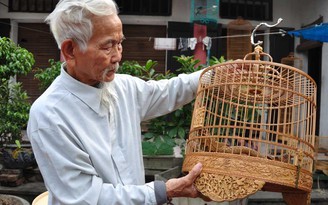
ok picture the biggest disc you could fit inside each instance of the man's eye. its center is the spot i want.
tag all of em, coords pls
(106, 48)
(110, 45)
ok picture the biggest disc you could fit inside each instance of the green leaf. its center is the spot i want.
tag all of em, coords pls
(148, 148)
(18, 144)
(164, 149)
(151, 73)
(148, 135)
(173, 132)
(181, 132)
(158, 141)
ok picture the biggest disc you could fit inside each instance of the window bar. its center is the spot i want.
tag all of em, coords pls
(270, 10)
(53, 4)
(39, 6)
(28, 6)
(43, 5)
(229, 7)
(237, 8)
(35, 5)
(263, 8)
(245, 8)
(24, 6)
(131, 4)
(150, 6)
(19, 8)
(141, 5)
(160, 6)
(169, 6)
(10, 6)
(17, 5)
(121, 6)
(253, 9)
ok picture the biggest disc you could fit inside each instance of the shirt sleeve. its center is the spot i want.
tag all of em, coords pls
(160, 192)
(158, 98)
(72, 180)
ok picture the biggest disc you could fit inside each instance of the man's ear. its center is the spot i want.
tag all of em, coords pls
(67, 49)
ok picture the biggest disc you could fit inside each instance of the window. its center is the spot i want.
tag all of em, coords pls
(37, 6)
(260, 10)
(145, 7)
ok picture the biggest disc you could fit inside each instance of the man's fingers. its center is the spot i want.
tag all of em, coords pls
(184, 187)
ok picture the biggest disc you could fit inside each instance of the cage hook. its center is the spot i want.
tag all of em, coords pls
(256, 27)
(282, 32)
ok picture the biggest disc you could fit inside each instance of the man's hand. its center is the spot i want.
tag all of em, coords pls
(184, 186)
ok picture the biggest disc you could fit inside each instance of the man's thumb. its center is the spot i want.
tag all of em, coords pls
(195, 171)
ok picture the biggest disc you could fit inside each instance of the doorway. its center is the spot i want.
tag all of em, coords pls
(314, 71)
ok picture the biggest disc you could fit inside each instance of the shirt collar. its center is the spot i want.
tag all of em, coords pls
(91, 96)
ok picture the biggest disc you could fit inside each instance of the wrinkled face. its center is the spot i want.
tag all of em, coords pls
(104, 52)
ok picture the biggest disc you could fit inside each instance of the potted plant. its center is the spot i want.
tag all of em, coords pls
(14, 105)
(47, 76)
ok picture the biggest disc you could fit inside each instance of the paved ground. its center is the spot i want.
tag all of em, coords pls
(318, 197)
(27, 191)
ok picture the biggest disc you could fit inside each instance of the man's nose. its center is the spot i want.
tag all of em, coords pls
(116, 54)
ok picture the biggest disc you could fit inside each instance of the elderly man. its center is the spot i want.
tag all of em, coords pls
(85, 128)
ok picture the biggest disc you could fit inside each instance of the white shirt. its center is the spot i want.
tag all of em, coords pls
(84, 158)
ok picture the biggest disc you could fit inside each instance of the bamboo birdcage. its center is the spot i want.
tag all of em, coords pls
(293, 61)
(253, 128)
(238, 32)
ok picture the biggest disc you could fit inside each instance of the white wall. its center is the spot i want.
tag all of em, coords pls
(324, 93)
(287, 10)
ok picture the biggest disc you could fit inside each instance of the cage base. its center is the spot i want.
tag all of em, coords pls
(226, 188)
(247, 175)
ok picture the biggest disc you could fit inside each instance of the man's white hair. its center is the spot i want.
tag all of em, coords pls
(71, 19)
